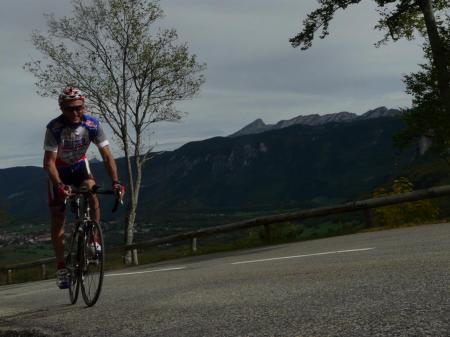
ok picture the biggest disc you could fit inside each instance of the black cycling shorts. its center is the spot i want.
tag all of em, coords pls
(73, 175)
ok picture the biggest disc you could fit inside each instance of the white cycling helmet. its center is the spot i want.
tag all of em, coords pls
(70, 94)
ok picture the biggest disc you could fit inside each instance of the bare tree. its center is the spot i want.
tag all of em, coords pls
(132, 72)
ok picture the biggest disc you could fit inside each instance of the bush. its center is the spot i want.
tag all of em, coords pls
(406, 213)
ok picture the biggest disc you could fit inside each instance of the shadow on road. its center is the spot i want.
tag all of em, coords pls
(22, 333)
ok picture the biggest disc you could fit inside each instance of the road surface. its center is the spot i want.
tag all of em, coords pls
(387, 283)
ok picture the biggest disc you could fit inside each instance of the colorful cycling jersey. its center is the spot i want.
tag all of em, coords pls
(71, 141)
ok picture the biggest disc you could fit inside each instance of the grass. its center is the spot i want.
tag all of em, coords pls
(15, 254)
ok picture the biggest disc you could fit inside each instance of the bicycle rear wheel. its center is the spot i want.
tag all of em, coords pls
(72, 265)
(92, 263)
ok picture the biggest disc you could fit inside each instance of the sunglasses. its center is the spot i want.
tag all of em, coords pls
(77, 108)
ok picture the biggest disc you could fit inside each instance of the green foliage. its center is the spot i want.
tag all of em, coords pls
(398, 18)
(320, 18)
(407, 213)
(429, 115)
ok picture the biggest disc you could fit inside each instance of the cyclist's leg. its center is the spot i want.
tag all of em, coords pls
(85, 178)
(57, 225)
(58, 219)
(93, 201)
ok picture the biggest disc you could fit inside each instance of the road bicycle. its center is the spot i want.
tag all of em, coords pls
(86, 254)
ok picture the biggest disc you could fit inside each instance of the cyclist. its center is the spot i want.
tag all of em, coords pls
(67, 139)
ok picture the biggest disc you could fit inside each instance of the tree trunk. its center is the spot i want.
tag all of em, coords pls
(439, 52)
(131, 256)
(131, 209)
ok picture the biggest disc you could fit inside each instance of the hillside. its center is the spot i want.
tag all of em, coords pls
(297, 166)
(292, 167)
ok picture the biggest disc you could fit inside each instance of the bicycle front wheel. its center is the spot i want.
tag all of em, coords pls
(73, 267)
(92, 263)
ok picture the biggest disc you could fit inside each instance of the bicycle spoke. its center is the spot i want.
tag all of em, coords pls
(92, 264)
(72, 264)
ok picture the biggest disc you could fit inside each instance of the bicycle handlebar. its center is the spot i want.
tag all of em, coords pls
(96, 190)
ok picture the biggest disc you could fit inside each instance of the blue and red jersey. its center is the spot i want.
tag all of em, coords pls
(71, 141)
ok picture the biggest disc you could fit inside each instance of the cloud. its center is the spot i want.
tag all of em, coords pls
(253, 72)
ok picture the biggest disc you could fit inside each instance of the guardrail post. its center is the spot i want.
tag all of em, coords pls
(43, 271)
(9, 276)
(368, 217)
(135, 257)
(194, 246)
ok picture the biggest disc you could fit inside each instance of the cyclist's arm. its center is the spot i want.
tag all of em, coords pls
(109, 162)
(50, 167)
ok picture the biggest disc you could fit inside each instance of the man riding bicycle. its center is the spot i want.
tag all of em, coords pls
(67, 140)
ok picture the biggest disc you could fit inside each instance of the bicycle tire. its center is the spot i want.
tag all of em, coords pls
(72, 265)
(92, 264)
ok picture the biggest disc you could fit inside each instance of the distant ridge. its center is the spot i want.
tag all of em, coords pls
(259, 126)
(300, 166)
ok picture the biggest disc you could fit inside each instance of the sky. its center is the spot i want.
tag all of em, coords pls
(252, 70)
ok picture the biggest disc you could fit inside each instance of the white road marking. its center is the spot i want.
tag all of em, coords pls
(306, 255)
(146, 271)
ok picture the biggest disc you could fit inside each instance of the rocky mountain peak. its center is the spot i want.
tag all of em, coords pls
(379, 112)
(258, 123)
(259, 126)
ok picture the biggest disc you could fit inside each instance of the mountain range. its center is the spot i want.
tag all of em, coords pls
(259, 126)
(307, 161)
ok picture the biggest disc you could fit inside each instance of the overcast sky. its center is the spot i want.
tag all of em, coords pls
(252, 71)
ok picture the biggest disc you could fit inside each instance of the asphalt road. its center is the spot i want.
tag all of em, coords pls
(389, 283)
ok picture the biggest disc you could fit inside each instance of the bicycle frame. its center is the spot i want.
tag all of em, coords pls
(80, 207)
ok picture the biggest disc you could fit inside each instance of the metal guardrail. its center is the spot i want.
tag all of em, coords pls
(353, 206)
(298, 215)
(42, 263)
